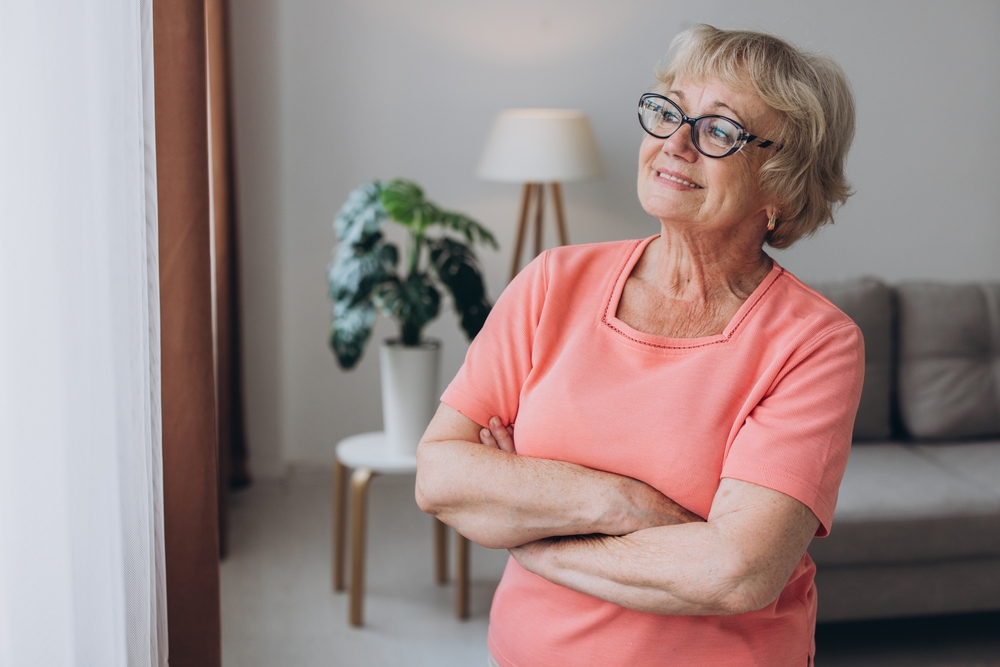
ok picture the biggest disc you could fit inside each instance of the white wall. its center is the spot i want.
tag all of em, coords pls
(329, 95)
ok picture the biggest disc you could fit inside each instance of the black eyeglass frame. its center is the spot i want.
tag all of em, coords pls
(744, 138)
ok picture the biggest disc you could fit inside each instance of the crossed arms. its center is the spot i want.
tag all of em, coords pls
(606, 535)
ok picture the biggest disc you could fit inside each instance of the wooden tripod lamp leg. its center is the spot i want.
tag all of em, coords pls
(560, 217)
(461, 577)
(440, 552)
(339, 522)
(539, 218)
(359, 519)
(522, 224)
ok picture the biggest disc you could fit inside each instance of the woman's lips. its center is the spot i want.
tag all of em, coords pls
(677, 179)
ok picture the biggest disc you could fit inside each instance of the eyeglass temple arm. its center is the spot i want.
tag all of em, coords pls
(764, 143)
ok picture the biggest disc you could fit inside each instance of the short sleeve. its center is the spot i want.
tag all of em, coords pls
(500, 357)
(798, 437)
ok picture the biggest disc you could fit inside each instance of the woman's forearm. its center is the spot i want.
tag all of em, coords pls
(738, 561)
(666, 570)
(501, 500)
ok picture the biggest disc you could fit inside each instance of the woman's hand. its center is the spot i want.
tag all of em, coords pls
(498, 436)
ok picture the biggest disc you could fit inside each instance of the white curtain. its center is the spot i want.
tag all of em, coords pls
(81, 526)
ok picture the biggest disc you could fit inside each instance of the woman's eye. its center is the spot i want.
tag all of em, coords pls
(671, 116)
(720, 133)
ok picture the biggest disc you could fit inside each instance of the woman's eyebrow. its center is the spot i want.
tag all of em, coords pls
(715, 106)
(722, 105)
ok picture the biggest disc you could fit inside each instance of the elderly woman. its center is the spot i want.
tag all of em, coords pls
(683, 405)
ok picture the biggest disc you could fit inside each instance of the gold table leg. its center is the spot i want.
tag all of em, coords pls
(440, 552)
(461, 576)
(339, 522)
(359, 518)
(360, 480)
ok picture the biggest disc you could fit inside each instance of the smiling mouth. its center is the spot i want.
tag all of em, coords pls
(677, 179)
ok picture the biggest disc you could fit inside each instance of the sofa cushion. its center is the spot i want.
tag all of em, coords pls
(899, 504)
(870, 303)
(978, 462)
(949, 345)
(912, 589)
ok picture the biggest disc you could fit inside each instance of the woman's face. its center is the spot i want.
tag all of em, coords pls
(686, 189)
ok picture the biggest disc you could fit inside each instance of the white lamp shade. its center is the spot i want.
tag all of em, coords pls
(541, 146)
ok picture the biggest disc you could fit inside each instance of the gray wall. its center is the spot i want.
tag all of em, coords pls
(329, 95)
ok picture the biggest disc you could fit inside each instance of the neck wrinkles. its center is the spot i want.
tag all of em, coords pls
(699, 269)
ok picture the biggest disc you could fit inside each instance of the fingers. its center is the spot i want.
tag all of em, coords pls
(502, 435)
(498, 436)
(642, 506)
(486, 438)
(687, 516)
(675, 514)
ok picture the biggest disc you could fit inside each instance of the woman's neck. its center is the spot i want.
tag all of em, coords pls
(691, 285)
(701, 268)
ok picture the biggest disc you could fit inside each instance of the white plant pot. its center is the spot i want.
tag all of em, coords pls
(409, 392)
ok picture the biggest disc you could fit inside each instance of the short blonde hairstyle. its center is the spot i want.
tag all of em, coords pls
(815, 106)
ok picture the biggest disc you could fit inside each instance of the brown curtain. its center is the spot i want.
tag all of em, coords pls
(233, 466)
(190, 471)
(204, 450)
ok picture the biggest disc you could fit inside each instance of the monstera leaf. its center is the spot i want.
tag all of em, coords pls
(457, 269)
(413, 302)
(351, 329)
(467, 227)
(364, 279)
(356, 270)
(361, 216)
(354, 276)
(403, 201)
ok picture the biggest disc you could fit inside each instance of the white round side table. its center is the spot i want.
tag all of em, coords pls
(368, 455)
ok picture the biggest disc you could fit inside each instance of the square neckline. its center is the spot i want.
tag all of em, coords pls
(609, 316)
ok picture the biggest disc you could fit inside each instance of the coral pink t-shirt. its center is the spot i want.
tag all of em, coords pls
(770, 401)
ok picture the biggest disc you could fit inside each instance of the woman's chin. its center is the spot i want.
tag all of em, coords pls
(665, 209)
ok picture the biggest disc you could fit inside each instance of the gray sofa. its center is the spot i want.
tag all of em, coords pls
(917, 526)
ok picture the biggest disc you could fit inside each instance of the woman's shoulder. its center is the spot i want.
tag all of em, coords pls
(571, 272)
(797, 329)
(567, 256)
(585, 261)
(802, 311)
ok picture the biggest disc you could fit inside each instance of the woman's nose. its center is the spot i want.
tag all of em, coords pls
(681, 143)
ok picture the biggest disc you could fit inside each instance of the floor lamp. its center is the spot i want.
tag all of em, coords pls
(538, 147)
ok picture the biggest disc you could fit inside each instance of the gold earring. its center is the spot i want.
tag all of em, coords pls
(772, 221)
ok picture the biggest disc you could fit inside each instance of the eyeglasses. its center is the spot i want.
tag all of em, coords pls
(713, 136)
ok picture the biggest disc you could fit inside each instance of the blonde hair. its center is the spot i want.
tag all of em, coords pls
(815, 106)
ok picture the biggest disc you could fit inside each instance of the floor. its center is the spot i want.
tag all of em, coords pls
(278, 608)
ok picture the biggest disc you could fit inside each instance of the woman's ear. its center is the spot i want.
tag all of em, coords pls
(772, 216)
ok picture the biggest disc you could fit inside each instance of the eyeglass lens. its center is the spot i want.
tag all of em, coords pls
(714, 136)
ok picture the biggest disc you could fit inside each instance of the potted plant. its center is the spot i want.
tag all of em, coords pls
(365, 279)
